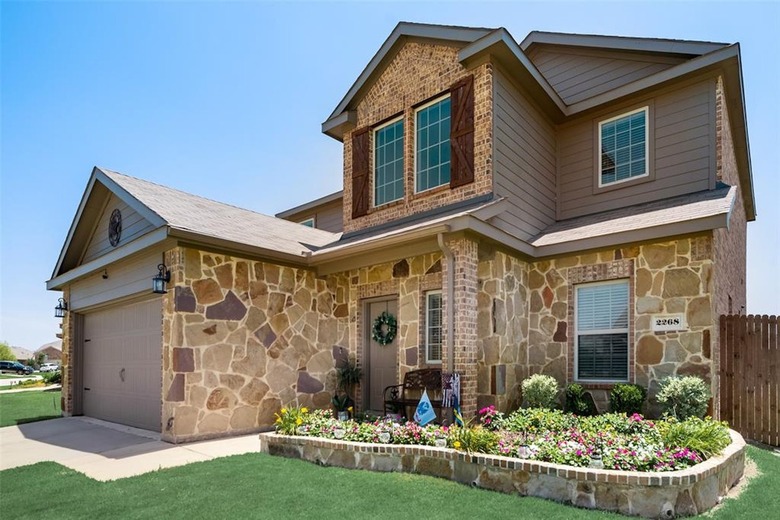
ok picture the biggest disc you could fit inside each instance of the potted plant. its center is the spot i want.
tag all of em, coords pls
(342, 403)
(347, 377)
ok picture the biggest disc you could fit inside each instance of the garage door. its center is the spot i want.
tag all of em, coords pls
(122, 370)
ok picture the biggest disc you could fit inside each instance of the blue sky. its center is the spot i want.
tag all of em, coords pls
(225, 100)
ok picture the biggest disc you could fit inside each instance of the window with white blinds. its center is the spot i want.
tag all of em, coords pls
(601, 320)
(433, 327)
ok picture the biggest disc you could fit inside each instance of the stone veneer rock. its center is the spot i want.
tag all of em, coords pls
(651, 495)
(502, 328)
(526, 316)
(243, 338)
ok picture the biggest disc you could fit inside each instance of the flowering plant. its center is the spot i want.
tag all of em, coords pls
(491, 418)
(289, 419)
(630, 443)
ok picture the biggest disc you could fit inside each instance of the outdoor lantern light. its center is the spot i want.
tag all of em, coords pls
(160, 279)
(60, 309)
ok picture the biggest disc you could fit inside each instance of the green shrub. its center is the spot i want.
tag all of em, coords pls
(474, 439)
(536, 420)
(540, 391)
(706, 437)
(627, 398)
(578, 401)
(52, 378)
(683, 397)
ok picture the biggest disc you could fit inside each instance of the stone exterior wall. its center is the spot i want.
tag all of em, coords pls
(419, 72)
(407, 279)
(647, 494)
(665, 278)
(502, 328)
(243, 338)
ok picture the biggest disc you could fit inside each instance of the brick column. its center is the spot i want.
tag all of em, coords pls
(66, 364)
(465, 342)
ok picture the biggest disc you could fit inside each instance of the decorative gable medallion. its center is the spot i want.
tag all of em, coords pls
(115, 227)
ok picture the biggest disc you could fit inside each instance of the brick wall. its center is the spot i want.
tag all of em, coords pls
(465, 252)
(417, 73)
(67, 362)
(730, 244)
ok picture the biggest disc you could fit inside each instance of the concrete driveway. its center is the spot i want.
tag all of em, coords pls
(107, 451)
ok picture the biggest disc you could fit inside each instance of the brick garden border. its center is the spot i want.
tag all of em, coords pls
(652, 495)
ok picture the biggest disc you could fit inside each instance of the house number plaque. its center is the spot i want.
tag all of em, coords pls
(668, 322)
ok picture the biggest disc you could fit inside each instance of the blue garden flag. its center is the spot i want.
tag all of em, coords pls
(424, 413)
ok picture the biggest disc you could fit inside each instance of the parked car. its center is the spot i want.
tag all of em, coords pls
(49, 367)
(14, 367)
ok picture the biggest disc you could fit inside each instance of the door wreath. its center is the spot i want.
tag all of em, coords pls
(385, 328)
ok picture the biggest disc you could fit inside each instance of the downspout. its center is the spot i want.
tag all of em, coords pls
(447, 252)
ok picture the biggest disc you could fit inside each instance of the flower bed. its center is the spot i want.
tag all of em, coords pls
(558, 449)
(616, 441)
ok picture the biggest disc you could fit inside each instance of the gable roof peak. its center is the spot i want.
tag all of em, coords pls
(341, 117)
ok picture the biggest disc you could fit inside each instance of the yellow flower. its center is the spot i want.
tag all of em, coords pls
(349, 409)
(298, 421)
(456, 444)
(304, 410)
(284, 410)
(278, 420)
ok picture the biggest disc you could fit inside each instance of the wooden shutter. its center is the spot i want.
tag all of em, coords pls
(462, 132)
(360, 172)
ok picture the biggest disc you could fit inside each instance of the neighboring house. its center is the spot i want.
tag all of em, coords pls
(22, 354)
(52, 352)
(571, 205)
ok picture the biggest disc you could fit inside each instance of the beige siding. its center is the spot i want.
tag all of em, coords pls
(578, 74)
(133, 226)
(524, 162)
(683, 128)
(327, 217)
(126, 278)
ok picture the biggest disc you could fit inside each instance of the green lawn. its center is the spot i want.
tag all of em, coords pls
(261, 486)
(23, 407)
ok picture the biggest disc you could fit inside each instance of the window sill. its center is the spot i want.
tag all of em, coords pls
(429, 192)
(600, 385)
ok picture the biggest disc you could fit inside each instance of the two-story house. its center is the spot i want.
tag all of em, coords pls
(573, 205)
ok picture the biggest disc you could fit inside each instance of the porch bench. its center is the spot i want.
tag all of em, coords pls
(401, 397)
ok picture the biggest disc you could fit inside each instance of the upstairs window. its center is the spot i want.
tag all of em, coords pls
(389, 162)
(601, 321)
(433, 329)
(309, 222)
(432, 145)
(624, 142)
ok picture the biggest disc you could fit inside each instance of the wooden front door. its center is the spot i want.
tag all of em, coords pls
(381, 361)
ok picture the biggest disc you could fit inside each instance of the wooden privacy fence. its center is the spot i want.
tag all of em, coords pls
(749, 377)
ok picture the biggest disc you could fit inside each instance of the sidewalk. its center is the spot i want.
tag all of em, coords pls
(107, 451)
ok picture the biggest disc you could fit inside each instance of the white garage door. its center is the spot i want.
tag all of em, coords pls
(122, 364)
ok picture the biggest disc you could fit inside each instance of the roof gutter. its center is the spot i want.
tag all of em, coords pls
(371, 244)
(198, 239)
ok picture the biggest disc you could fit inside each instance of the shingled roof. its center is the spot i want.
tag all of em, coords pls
(208, 218)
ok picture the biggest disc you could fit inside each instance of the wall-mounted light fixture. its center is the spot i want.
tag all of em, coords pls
(160, 279)
(60, 309)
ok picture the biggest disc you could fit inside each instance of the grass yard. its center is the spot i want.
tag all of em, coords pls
(261, 486)
(24, 407)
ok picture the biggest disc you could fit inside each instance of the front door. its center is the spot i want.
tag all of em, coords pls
(381, 360)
